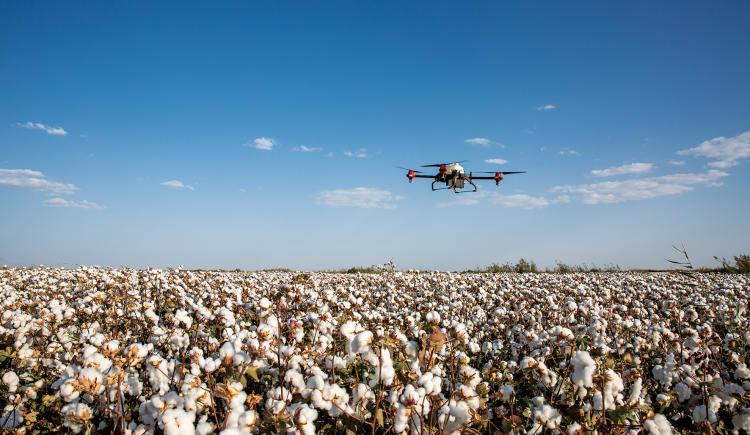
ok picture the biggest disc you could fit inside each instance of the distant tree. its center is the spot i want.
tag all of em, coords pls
(524, 266)
(742, 263)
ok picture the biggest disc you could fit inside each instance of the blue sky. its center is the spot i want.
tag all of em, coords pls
(132, 133)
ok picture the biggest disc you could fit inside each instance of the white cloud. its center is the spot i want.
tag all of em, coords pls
(305, 149)
(546, 107)
(676, 162)
(520, 201)
(610, 192)
(568, 152)
(359, 197)
(632, 168)
(64, 203)
(176, 184)
(55, 131)
(496, 161)
(359, 154)
(523, 201)
(30, 179)
(262, 143)
(724, 152)
(482, 141)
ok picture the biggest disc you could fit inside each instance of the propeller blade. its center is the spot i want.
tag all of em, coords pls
(436, 165)
(407, 169)
(502, 172)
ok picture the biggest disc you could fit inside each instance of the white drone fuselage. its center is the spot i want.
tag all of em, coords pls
(454, 167)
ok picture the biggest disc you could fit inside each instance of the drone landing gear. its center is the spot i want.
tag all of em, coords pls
(467, 191)
(474, 186)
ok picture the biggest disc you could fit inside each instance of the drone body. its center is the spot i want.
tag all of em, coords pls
(454, 176)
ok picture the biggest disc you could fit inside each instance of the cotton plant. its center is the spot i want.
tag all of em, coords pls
(179, 351)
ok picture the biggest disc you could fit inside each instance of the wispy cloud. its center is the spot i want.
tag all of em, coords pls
(521, 201)
(55, 131)
(35, 180)
(359, 197)
(64, 203)
(610, 192)
(632, 168)
(496, 161)
(724, 152)
(262, 143)
(305, 149)
(676, 162)
(481, 141)
(176, 184)
(359, 154)
(568, 152)
(546, 107)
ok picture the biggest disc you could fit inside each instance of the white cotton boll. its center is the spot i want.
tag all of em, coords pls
(349, 329)
(204, 428)
(506, 391)
(240, 358)
(91, 380)
(277, 399)
(742, 372)
(635, 392)
(226, 352)
(265, 303)
(97, 361)
(741, 422)
(362, 395)
(458, 415)
(303, 417)
(182, 317)
(68, 390)
(385, 372)
(612, 389)
(361, 342)
(700, 414)
(315, 382)
(546, 416)
(683, 392)
(335, 362)
(574, 429)
(433, 317)
(432, 384)
(658, 425)
(112, 346)
(583, 369)
(469, 376)
(247, 420)
(11, 380)
(668, 373)
(210, 365)
(177, 422)
(412, 349)
(136, 352)
(77, 415)
(474, 347)
(295, 379)
(401, 419)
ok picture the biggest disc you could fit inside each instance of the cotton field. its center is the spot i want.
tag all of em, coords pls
(197, 352)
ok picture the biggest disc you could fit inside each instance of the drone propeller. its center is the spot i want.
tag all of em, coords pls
(435, 165)
(407, 169)
(502, 172)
